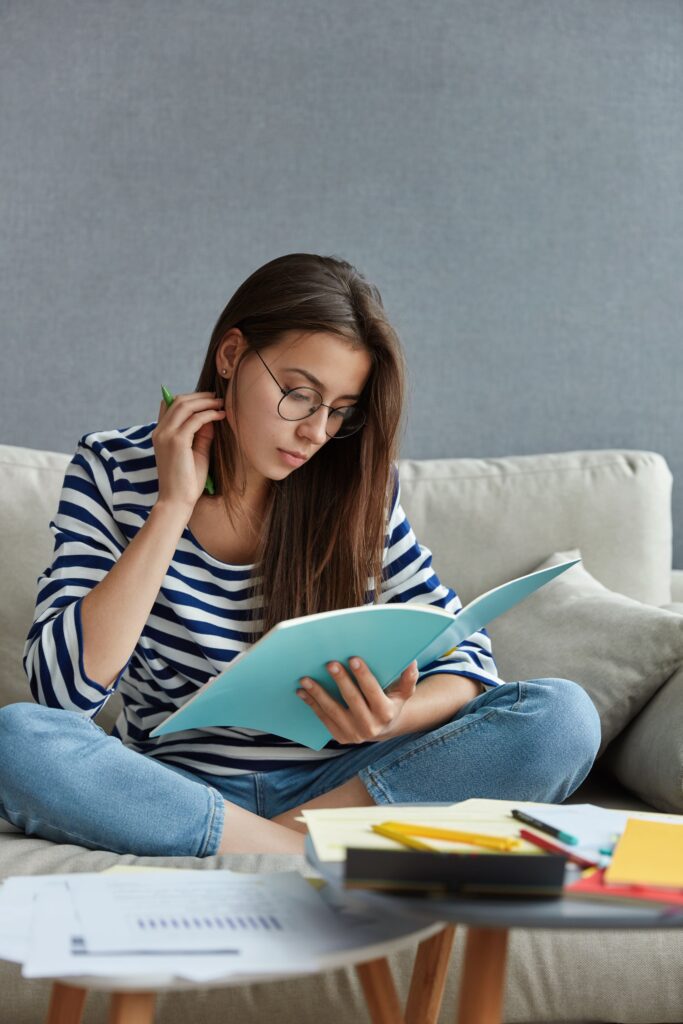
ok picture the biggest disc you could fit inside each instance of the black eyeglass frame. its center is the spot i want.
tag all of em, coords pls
(288, 391)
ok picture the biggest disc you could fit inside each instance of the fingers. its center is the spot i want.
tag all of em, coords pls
(368, 711)
(317, 695)
(366, 688)
(339, 732)
(195, 422)
(404, 687)
(185, 406)
(187, 421)
(408, 679)
(193, 394)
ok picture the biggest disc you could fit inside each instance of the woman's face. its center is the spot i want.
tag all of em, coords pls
(318, 360)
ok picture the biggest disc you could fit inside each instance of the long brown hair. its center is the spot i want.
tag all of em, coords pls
(325, 524)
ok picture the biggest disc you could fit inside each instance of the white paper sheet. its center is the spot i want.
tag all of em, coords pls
(17, 897)
(43, 924)
(197, 911)
(49, 953)
(15, 926)
(596, 828)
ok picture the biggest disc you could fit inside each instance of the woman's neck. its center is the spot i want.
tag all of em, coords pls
(248, 511)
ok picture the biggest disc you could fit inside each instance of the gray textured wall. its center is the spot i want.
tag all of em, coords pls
(509, 173)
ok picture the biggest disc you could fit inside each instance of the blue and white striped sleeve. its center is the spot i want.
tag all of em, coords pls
(87, 544)
(408, 576)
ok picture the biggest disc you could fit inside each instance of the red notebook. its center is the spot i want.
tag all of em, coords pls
(592, 886)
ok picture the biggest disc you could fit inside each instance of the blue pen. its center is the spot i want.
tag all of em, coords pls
(564, 837)
(169, 399)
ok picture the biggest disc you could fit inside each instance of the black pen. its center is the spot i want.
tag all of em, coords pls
(565, 837)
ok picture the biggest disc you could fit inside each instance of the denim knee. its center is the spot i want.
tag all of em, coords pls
(25, 722)
(22, 726)
(568, 731)
(16, 717)
(64, 779)
(18, 724)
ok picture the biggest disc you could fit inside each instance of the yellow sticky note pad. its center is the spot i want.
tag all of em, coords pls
(648, 853)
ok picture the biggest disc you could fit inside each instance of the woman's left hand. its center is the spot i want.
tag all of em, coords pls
(371, 713)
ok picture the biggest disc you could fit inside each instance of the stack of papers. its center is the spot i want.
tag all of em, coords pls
(197, 925)
(333, 831)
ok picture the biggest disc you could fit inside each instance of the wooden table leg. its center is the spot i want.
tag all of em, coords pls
(66, 1004)
(429, 977)
(483, 976)
(380, 992)
(132, 1008)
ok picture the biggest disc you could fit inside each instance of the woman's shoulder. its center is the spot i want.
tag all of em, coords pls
(120, 445)
(124, 456)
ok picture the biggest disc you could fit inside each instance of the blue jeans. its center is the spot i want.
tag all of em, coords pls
(63, 778)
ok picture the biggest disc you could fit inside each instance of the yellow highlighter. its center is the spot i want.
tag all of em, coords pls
(401, 837)
(404, 829)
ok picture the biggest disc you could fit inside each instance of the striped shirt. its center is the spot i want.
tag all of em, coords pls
(201, 615)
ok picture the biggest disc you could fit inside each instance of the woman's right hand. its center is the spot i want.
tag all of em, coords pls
(182, 442)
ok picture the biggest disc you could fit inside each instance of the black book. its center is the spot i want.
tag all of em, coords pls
(455, 874)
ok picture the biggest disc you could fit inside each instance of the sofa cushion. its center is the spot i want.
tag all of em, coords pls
(489, 520)
(30, 485)
(648, 756)
(619, 650)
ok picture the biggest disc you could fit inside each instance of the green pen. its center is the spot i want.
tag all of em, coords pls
(168, 398)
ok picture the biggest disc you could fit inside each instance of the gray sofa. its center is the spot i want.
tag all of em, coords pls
(485, 520)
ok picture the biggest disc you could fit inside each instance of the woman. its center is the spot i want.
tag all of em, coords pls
(156, 586)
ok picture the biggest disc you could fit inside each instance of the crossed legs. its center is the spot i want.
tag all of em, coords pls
(246, 832)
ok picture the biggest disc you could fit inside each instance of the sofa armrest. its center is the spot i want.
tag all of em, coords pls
(647, 757)
(677, 585)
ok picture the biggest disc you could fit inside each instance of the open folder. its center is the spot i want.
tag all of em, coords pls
(258, 689)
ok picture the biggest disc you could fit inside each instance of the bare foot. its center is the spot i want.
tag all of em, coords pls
(245, 832)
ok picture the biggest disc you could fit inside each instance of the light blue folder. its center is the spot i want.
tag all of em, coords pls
(258, 689)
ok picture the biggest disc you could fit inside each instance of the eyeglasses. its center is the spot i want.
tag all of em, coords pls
(299, 403)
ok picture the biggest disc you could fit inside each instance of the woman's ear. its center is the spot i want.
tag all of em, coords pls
(229, 352)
